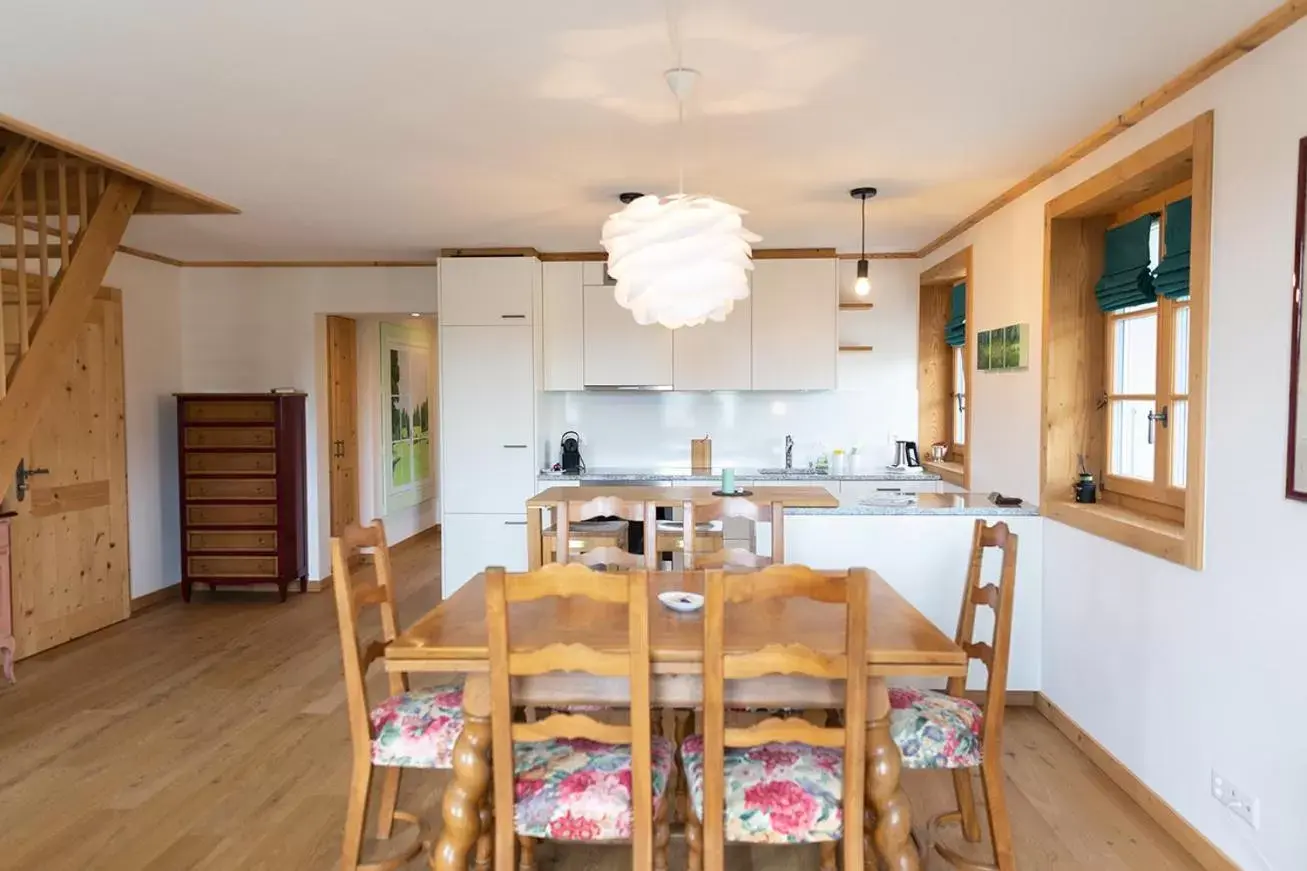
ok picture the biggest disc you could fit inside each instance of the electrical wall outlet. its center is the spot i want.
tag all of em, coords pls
(1236, 801)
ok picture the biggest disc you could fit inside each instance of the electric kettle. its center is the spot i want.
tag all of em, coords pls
(905, 456)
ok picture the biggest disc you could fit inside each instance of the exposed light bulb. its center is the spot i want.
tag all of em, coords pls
(862, 286)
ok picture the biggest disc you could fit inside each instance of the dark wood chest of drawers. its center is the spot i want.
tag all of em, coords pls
(243, 477)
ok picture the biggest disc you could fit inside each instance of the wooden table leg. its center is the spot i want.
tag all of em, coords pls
(534, 539)
(892, 834)
(464, 796)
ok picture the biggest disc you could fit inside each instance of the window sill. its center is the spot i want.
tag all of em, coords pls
(950, 472)
(1161, 538)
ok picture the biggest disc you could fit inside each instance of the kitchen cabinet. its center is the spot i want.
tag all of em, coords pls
(562, 326)
(795, 324)
(618, 351)
(470, 542)
(487, 402)
(853, 490)
(487, 291)
(715, 355)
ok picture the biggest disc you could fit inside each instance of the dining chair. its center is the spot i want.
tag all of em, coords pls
(410, 729)
(569, 512)
(717, 511)
(587, 536)
(947, 731)
(574, 778)
(783, 780)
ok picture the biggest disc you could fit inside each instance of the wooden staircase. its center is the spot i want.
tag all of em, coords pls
(63, 212)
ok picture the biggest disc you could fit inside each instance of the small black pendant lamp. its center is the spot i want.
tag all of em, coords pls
(862, 286)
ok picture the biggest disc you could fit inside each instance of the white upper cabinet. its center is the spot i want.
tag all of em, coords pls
(618, 351)
(487, 291)
(487, 404)
(563, 322)
(795, 324)
(715, 356)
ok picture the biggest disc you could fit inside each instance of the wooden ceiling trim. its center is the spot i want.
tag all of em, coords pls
(1261, 32)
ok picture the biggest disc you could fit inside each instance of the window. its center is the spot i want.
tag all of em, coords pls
(959, 406)
(1146, 395)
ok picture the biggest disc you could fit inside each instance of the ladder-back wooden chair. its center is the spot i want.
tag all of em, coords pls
(947, 731)
(410, 729)
(573, 778)
(570, 512)
(727, 557)
(782, 781)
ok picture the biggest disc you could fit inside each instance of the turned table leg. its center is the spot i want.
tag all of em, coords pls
(892, 834)
(464, 796)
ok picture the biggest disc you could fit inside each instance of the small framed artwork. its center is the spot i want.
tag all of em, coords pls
(1005, 349)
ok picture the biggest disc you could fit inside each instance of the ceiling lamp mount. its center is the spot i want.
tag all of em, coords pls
(682, 259)
(862, 286)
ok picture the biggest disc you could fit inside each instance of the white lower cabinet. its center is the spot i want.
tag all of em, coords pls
(862, 489)
(470, 542)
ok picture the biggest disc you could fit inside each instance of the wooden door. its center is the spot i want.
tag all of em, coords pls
(69, 540)
(342, 420)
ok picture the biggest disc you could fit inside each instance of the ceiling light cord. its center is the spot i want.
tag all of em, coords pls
(864, 229)
(674, 34)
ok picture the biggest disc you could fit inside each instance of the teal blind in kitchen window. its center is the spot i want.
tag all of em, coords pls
(1127, 280)
(1172, 276)
(955, 331)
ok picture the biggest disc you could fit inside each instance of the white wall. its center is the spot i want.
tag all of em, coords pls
(253, 329)
(374, 422)
(152, 372)
(1179, 672)
(875, 400)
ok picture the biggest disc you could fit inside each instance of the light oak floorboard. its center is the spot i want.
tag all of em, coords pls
(211, 736)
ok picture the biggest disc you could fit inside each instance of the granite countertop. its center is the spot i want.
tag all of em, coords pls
(969, 504)
(683, 474)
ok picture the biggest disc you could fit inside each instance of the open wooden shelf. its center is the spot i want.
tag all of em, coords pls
(856, 306)
(855, 347)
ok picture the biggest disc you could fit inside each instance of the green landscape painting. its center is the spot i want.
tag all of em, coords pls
(1003, 349)
(406, 363)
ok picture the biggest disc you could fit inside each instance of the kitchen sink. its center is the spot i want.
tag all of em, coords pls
(782, 472)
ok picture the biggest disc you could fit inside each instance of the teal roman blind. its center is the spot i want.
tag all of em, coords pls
(1127, 280)
(955, 331)
(1172, 276)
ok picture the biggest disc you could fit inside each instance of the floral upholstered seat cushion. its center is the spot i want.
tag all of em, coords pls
(571, 789)
(775, 793)
(934, 730)
(417, 729)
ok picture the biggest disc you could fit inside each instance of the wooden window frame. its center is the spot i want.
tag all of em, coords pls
(935, 372)
(958, 449)
(1077, 345)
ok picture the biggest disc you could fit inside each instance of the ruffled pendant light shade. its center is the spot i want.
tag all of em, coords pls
(679, 260)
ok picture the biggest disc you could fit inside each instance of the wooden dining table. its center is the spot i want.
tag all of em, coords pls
(660, 497)
(901, 642)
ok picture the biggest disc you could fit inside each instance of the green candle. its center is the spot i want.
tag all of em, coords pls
(728, 480)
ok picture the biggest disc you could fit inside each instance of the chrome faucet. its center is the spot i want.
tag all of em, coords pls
(789, 452)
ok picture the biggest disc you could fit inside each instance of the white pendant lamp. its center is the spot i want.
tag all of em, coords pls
(862, 286)
(683, 259)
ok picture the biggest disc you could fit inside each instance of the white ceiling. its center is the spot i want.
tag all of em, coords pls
(393, 128)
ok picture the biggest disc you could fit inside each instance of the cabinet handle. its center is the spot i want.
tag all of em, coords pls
(515, 523)
(513, 317)
(516, 447)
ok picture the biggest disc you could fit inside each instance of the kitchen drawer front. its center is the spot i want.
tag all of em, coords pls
(231, 515)
(231, 464)
(239, 489)
(261, 540)
(232, 411)
(230, 437)
(864, 489)
(231, 566)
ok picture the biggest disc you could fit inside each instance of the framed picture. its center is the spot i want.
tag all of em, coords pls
(1005, 349)
(407, 455)
(982, 350)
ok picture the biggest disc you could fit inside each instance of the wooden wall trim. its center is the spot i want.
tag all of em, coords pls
(1278, 20)
(301, 264)
(1204, 852)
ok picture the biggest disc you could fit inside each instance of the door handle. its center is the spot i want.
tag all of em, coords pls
(21, 477)
(515, 523)
(513, 317)
(516, 447)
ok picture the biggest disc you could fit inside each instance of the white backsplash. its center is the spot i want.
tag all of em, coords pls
(876, 402)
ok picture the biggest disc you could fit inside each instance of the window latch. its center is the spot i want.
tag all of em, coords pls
(1156, 417)
(962, 402)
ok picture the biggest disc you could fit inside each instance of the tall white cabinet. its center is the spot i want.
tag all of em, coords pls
(488, 315)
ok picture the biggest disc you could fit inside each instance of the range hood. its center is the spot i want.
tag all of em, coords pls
(644, 388)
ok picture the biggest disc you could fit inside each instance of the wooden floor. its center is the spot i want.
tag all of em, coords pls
(212, 737)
